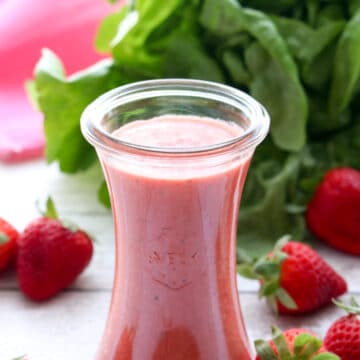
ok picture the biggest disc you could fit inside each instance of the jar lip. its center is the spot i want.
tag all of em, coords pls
(100, 138)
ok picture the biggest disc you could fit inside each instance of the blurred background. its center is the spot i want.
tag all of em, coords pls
(67, 27)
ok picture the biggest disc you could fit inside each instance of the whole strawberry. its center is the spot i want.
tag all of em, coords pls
(50, 256)
(294, 278)
(292, 344)
(333, 215)
(343, 337)
(8, 237)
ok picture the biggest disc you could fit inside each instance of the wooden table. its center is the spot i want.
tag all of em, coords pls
(70, 325)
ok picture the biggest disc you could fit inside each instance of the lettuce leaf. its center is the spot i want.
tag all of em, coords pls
(301, 59)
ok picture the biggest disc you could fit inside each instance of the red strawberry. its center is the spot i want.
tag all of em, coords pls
(295, 279)
(50, 256)
(343, 337)
(333, 214)
(294, 344)
(8, 237)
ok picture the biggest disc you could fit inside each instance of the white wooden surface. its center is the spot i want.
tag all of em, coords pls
(70, 325)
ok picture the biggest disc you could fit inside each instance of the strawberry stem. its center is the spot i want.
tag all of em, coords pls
(51, 211)
(264, 350)
(280, 343)
(3, 238)
(283, 296)
(267, 270)
(353, 308)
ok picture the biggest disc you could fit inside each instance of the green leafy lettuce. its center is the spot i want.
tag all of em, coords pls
(301, 59)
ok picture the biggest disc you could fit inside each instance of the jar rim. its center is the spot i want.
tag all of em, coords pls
(256, 114)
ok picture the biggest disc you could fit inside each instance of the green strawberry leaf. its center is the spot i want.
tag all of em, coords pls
(70, 225)
(247, 271)
(51, 211)
(267, 269)
(353, 302)
(271, 300)
(283, 296)
(281, 242)
(326, 356)
(281, 343)
(306, 345)
(264, 350)
(269, 288)
(3, 238)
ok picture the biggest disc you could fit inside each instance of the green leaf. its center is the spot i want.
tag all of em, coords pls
(267, 269)
(221, 17)
(354, 6)
(246, 271)
(326, 356)
(304, 42)
(50, 64)
(275, 76)
(331, 12)
(3, 238)
(103, 195)
(267, 219)
(285, 299)
(109, 29)
(30, 89)
(283, 97)
(353, 302)
(281, 243)
(346, 66)
(236, 68)
(51, 211)
(270, 6)
(199, 65)
(269, 288)
(306, 345)
(63, 100)
(281, 344)
(264, 350)
(243, 257)
(133, 49)
(316, 73)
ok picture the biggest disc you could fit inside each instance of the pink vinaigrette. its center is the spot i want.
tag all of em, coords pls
(175, 154)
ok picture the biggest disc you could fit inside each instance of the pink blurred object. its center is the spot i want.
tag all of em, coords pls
(67, 27)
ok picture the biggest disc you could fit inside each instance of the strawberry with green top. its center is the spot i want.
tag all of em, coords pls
(292, 344)
(343, 337)
(8, 237)
(294, 278)
(51, 255)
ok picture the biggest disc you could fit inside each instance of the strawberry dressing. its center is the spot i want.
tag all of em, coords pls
(175, 294)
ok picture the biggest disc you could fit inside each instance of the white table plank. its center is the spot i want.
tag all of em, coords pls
(70, 326)
(67, 327)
